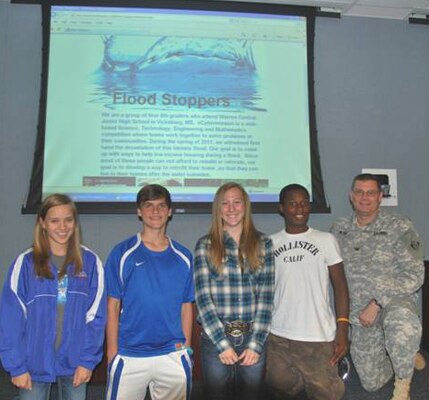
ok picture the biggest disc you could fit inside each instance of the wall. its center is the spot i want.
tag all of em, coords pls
(372, 99)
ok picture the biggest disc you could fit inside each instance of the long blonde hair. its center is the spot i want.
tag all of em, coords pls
(249, 248)
(41, 247)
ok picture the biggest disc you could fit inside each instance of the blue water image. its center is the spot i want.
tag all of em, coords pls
(184, 67)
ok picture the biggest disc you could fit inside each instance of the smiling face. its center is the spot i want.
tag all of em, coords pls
(295, 209)
(155, 213)
(366, 198)
(59, 225)
(232, 209)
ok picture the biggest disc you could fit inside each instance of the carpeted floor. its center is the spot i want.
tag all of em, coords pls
(419, 389)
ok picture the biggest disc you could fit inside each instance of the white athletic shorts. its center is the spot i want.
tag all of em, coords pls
(168, 377)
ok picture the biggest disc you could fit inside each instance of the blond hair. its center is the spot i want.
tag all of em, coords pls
(249, 248)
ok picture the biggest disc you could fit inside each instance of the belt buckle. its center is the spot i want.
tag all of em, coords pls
(238, 325)
(236, 333)
(236, 328)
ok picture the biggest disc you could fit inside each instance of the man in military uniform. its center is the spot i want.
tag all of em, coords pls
(383, 260)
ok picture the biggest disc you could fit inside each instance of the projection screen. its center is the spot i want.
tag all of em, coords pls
(185, 94)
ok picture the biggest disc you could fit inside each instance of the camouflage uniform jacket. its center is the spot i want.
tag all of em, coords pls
(383, 260)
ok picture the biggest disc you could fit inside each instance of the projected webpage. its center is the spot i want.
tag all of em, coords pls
(186, 99)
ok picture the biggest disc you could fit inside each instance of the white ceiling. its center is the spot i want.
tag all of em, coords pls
(396, 9)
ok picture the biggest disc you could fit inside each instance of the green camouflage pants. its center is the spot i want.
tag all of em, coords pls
(388, 347)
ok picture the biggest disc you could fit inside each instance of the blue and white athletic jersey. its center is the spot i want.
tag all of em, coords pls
(152, 287)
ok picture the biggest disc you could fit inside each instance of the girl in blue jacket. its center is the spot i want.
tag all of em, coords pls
(53, 308)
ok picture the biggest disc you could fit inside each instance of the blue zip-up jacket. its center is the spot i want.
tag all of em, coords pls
(28, 312)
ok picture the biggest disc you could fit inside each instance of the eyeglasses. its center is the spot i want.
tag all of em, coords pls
(369, 193)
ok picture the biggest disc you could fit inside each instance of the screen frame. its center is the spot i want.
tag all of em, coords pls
(34, 198)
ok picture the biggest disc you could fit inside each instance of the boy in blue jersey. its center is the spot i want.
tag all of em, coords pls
(149, 318)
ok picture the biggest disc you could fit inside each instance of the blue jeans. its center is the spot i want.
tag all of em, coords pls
(230, 381)
(66, 391)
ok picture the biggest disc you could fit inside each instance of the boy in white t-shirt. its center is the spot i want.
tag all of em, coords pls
(306, 340)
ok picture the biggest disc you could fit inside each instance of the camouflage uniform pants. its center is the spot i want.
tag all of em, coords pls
(388, 347)
(293, 366)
